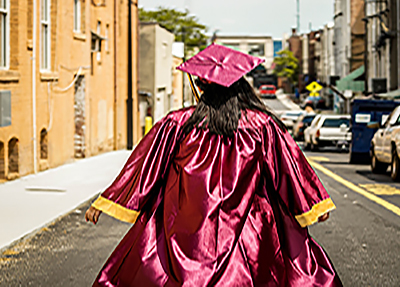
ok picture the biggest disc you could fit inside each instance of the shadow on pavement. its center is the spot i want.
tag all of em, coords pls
(380, 178)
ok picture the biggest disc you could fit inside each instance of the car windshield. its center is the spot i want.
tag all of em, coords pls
(291, 114)
(335, 123)
(308, 119)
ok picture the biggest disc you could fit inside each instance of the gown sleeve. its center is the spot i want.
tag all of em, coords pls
(142, 174)
(297, 184)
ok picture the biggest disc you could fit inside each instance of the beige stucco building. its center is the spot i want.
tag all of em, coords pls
(155, 67)
(64, 82)
(260, 46)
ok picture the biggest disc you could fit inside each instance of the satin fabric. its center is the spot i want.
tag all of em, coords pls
(220, 64)
(217, 211)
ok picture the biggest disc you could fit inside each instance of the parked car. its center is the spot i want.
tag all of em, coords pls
(303, 122)
(267, 91)
(385, 145)
(290, 117)
(328, 130)
(314, 102)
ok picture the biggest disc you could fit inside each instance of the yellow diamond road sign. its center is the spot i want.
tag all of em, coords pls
(314, 87)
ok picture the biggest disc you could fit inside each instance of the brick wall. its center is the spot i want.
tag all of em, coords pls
(14, 29)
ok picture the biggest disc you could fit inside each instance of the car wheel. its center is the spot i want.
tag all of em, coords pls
(377, 166)
(313, 146)
(306, 145)
(395, 174)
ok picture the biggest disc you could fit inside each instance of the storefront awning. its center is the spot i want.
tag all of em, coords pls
(352, 82)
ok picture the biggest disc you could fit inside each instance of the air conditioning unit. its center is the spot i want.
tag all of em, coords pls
(333, 80)
(379, 85)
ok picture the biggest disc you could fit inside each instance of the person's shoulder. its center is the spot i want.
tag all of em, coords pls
(256, 118)
(180, 116)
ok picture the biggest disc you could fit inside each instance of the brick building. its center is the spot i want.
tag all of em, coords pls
(296, 47)
(64, 81)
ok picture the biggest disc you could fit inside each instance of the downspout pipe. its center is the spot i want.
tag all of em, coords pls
(129, 101)
(115, 77)
(34, 127)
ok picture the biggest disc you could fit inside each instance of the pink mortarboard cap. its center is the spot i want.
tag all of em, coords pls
(220, 64)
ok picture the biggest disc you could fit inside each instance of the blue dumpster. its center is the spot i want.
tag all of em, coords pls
(364, 111)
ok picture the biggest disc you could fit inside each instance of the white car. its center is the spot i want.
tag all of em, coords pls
(328, 130)
(290, 117)
(385, 146)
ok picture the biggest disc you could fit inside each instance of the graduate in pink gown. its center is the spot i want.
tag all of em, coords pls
(219, 194)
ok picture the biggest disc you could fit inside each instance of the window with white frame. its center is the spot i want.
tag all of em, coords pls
(4, 33)
(99, 41)
(77, 15)
(45, 34)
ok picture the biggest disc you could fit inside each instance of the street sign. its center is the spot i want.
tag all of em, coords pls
(314, 88)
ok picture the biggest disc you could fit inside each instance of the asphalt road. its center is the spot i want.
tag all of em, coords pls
(275, 104)
(361, 236)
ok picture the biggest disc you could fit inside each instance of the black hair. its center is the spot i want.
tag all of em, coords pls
(220, 108)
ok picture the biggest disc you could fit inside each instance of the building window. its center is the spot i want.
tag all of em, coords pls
(45, 34)
(77, 15)
(4, 33)
(99, 41)
(43, 144)
(107, 40)
(13, 160)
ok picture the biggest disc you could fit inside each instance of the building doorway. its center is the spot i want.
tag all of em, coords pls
(2, 163)
(79, 107)
(13, 156)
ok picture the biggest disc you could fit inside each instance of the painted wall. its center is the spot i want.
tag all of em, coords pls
(100, 79)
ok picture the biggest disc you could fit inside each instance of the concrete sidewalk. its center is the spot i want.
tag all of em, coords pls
(33, 201)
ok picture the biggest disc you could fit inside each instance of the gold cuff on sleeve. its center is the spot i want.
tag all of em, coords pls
(115, 210)
(319, 209)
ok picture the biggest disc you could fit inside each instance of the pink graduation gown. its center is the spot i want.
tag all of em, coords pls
(215, 211)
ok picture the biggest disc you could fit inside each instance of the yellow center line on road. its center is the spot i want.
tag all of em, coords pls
(389, 206)
(319, 158)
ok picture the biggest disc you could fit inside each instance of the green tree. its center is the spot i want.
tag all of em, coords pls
(286, 66)
(185, 27)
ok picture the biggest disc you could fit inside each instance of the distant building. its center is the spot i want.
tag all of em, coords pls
(155, 67)
(177, 76)
(63, 93)
(260, 46)
(278, 46)
(295, 46)
(349, 33)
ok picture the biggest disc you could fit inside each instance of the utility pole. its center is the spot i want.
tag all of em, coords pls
(298, 17)
(129, 101)
(366, 48)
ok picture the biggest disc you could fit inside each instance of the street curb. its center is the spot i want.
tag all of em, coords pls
(48, 224)
(81, 181)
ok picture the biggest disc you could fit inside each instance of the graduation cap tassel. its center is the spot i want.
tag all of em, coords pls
(194, 90)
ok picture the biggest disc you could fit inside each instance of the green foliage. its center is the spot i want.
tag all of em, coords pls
(185, 27)
(286, 66)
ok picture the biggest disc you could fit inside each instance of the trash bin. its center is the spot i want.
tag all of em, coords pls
(364, 111)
